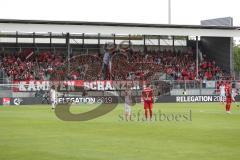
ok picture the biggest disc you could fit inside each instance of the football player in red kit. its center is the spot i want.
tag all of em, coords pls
(229, 98)
(147, 95)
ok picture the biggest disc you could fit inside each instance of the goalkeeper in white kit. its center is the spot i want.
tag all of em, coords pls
(128, 104)
(222, 93)
(53, 97)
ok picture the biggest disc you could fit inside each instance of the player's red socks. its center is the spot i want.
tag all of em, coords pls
(228, 106)
(150, 111)
(146, 114)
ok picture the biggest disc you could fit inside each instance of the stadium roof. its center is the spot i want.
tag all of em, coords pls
(11, 25)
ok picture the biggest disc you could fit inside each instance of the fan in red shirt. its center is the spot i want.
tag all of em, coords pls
(147, 95)
(228, 90)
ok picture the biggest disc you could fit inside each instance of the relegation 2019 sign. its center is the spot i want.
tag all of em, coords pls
(197, 98)
(190, 99)
(112, 99)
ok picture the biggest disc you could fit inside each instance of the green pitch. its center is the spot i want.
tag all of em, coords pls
(34, 133)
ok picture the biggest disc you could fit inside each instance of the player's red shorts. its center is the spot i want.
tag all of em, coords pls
(148, 104)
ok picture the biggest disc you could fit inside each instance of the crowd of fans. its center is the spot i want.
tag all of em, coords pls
(134, 65)
(28, 65)
(171, 65)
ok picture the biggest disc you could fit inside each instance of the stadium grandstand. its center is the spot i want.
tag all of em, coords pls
(173, 57)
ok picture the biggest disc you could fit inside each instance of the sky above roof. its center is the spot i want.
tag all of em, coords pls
(134, 11)
(188, 12)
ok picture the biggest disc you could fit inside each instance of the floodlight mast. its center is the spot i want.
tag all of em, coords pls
(169, 11)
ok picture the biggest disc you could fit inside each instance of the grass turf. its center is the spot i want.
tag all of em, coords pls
(34, 132)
